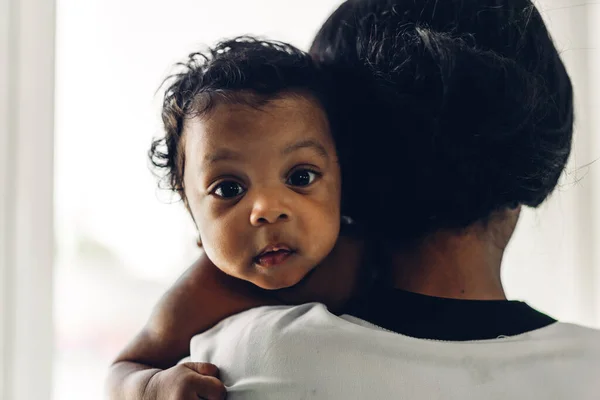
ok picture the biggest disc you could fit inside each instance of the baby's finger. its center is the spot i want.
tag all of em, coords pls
(209, 388)
(203, 368)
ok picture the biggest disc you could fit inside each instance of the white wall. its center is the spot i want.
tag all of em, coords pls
(593, 82)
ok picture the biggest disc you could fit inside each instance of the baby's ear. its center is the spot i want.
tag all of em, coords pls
(347, 220)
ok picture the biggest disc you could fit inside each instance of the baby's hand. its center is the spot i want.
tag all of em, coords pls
(187, 381)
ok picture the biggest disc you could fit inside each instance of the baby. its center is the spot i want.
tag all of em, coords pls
(249, 147)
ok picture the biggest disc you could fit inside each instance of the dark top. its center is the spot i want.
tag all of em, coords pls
(438, 318)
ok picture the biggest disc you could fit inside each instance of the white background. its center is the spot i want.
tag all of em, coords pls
(118, 241)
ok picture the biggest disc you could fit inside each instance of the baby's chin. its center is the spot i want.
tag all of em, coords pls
(272, 279)
(272, 283)
(279, 277)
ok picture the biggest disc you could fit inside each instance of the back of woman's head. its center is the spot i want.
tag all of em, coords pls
(459, 108)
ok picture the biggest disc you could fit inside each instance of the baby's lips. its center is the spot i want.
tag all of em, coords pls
(273, 258)
(271, 248)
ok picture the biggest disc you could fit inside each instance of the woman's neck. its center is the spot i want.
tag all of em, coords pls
(457, 265)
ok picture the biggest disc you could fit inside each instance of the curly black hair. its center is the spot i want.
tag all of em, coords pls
(243, 70)
(457, 109)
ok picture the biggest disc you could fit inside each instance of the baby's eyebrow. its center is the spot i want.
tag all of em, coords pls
(220, 155)
(309, 143)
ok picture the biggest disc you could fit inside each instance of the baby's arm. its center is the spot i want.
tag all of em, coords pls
(146, 369)
(202, 297)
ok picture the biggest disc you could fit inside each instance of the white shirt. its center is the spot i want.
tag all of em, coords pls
(304, 352)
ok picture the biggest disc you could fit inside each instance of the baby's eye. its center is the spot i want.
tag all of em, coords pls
(302, 177)
(228, 190)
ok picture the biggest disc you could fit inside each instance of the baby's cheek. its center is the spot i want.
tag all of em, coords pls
(324, 228)
(330, 196)
(214, 240)
(223, 241)
(221, 250)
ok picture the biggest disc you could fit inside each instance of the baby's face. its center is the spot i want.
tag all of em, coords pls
(263, 185)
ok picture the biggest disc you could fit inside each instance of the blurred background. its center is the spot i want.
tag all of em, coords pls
(89, 243)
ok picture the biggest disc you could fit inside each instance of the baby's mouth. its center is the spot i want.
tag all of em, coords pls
(273, 255)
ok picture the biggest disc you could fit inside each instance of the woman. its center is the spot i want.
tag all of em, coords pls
(462, 112)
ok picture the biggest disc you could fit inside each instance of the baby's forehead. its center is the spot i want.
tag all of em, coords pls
(287, 111)
(248, 129)
(284, 102)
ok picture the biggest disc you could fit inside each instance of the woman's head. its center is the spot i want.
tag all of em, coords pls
(249, 148)
(464, 109)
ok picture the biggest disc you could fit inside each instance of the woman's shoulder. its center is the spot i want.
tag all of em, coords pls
(257, 332)
(569, 331)
(266, 318)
